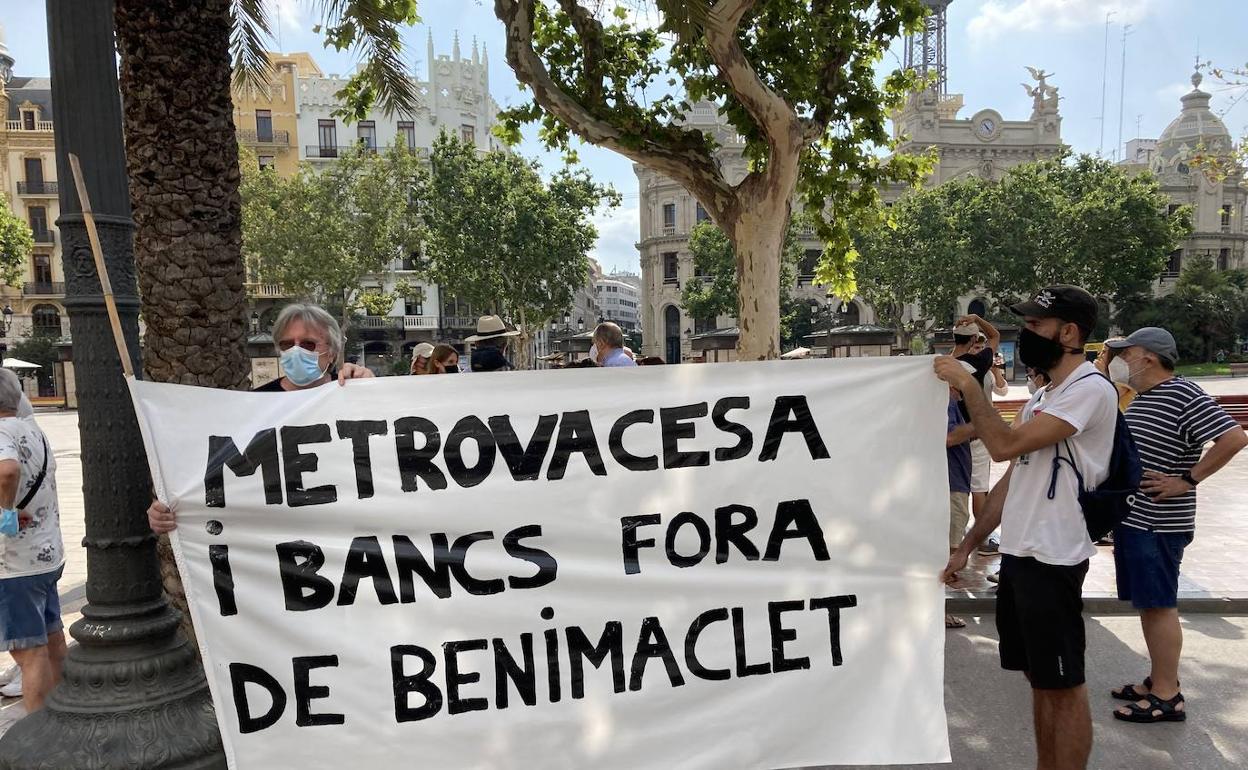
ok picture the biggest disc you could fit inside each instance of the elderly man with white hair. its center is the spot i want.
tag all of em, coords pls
(608, 347)
(308, 340)
(32, 554)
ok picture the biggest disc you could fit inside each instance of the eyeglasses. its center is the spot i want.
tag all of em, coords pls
(312, 346)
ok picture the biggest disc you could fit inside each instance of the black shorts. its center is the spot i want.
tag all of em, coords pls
(1040, 621)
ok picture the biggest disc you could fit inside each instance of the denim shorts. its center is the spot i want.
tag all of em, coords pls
(1147, 566)
(30, 609)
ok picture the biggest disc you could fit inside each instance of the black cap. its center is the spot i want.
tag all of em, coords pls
(1068, 303)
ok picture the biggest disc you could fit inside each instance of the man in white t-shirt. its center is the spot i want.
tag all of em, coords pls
(31, 559)
(1045, 545)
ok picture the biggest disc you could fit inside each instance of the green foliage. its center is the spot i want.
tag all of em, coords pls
(16, 242)
(501, 238)
(795, 79)
(370, 28)
(1206, 313)
(1068, 220)
(38, 346)
(319, 233)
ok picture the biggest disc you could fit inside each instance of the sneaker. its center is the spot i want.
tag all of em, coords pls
(994, 578)
(14, 688)
(990, 547)
(9, 674)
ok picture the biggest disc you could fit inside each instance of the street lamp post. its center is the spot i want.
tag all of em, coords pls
(133, 693)
(8, 318)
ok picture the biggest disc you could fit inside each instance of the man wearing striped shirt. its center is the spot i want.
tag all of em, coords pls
(1171, 421)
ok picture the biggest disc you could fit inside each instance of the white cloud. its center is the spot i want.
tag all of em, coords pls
(1002, 17)
(618, 231)
(287, 15)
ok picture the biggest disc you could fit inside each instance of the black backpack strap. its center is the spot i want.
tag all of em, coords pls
(43, 472)
(1057, 466)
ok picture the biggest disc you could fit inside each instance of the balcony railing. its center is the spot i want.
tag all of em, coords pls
(37, 188)
(669, 229)
(458, 322)
(672, 281)
(20, 125)
(43, 288)
(44, 236)
(379, 322)
(266, 290)
(420, 322)
(316, 151)
(251, 136)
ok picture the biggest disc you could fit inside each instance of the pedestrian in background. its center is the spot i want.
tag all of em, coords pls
(958, 457)
(608, 347)
(32, 554)
(976, 343)
(1171, 421)
(420, 358)
(1112, 366)
(443, 359)
(489, 345)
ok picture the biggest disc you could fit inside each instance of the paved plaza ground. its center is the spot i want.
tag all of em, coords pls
(988, 709)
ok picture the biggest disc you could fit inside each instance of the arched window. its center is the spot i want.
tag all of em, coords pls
(671, 334)
(977, 307)
(850, 315)
(47, 320)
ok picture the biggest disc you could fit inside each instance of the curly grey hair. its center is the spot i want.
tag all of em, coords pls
(311, 315)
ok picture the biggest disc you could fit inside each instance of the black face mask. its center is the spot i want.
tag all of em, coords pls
(1039, 353)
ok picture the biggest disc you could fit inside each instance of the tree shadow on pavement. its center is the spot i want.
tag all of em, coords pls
(989, 710)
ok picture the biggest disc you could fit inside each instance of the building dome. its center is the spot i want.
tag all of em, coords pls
(1196, 124)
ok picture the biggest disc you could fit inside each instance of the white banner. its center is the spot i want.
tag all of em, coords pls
(715, 566)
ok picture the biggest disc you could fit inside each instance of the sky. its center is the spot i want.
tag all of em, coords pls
(990, 42)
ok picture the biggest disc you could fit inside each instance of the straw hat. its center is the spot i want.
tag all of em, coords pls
(489, 327)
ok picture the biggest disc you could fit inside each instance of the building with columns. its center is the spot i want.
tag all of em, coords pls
(1219, 205)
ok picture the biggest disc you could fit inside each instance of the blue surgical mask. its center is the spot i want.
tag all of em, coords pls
(302, 367)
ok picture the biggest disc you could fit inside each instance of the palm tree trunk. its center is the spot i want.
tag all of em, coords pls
(182, 159)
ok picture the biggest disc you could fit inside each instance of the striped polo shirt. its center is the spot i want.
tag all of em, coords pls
(1171, 423)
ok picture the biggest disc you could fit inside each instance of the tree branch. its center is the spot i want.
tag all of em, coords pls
(692, 167)
(589, 30)
(775, 117)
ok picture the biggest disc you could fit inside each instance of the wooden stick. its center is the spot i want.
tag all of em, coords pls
(100, 269)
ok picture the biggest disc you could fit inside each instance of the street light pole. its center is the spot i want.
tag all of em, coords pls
(133, 693)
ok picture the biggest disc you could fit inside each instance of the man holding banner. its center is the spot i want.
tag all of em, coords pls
(1044, 539)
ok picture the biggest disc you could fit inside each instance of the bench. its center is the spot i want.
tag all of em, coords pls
(1236, 407)
(1238, 368)
(1009, 408)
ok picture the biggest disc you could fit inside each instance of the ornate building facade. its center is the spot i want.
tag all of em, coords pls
(984, 143)
(1218, 204)
(293, 122)
(29, 187)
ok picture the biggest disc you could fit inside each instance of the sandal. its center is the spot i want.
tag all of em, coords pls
(1158, 710)
(953, 621)
(1128, 691)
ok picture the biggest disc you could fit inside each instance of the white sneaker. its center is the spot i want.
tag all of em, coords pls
(9, 674)
(14, 688)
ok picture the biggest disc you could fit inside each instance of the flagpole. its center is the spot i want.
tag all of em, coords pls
(98, 253)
